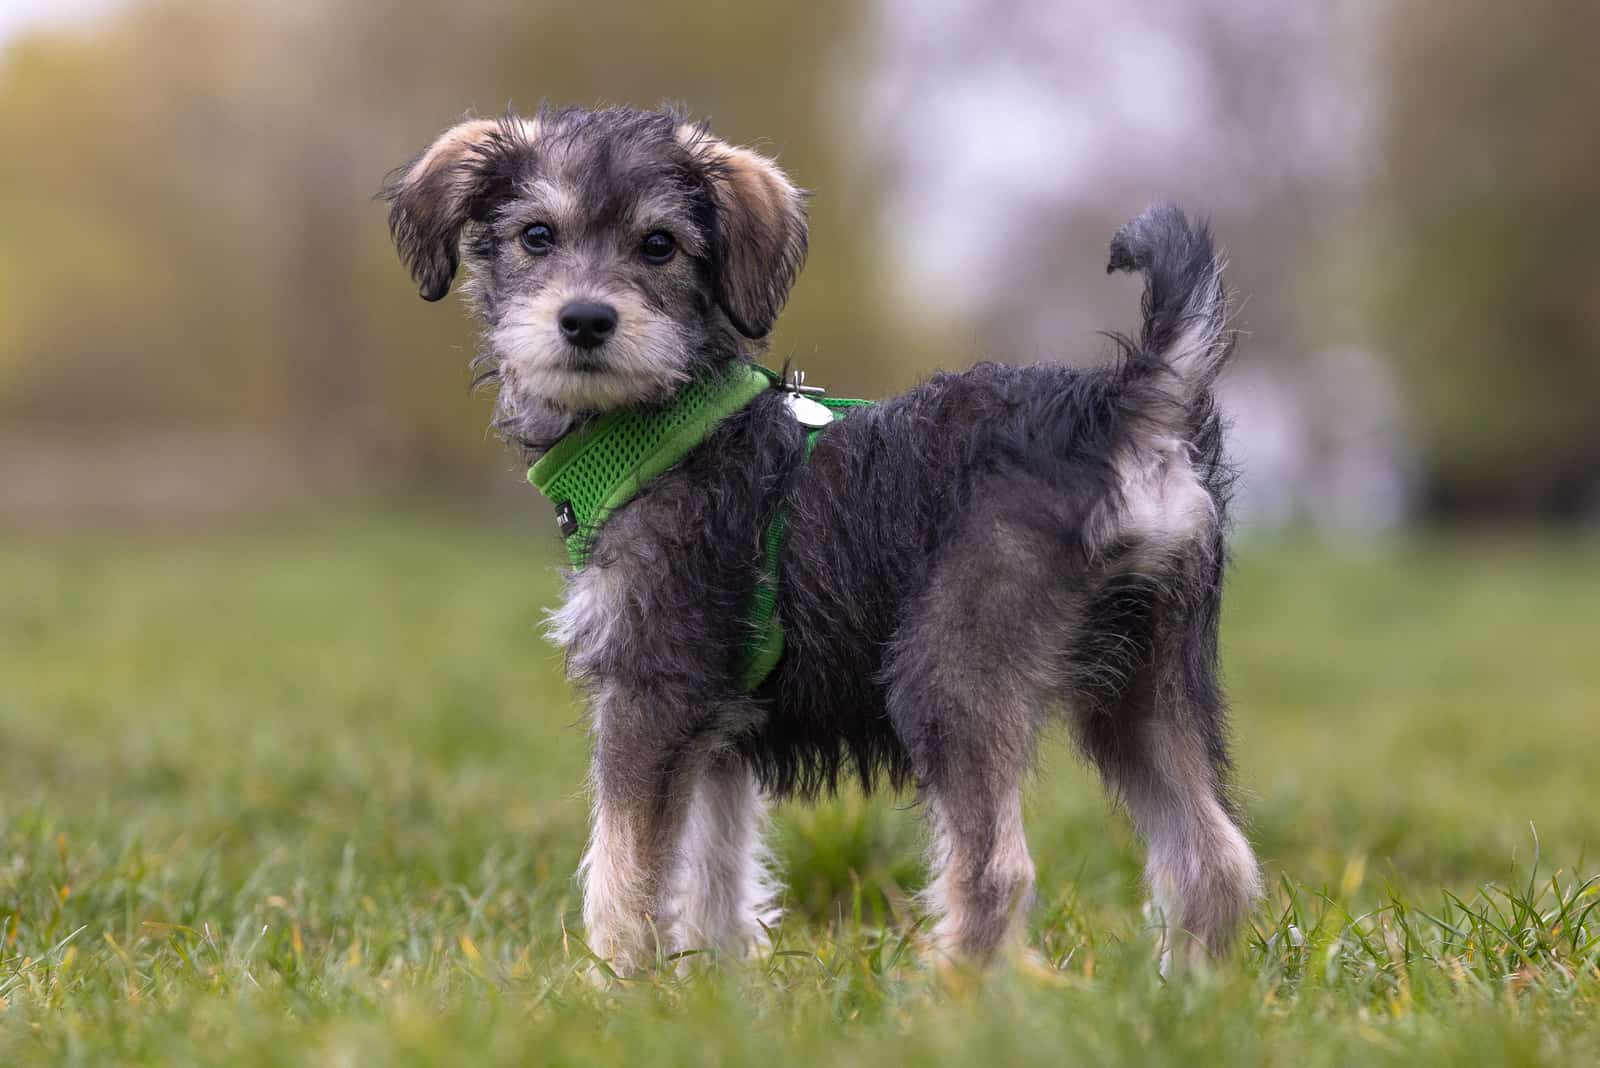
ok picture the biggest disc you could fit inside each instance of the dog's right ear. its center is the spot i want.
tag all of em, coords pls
(432, 198)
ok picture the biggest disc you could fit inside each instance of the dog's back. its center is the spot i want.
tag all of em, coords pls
(1108, 483)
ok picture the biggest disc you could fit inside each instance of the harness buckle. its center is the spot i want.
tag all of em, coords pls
(796, 383)
(797, 396)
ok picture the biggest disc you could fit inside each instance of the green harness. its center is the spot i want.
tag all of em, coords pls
(592, 472)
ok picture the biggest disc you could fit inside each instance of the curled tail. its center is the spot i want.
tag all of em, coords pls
(1185, 339)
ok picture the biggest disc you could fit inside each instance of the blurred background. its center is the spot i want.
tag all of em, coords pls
(201, 315)
(271, 594)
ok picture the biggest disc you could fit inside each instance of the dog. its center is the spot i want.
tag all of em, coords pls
(961, 565)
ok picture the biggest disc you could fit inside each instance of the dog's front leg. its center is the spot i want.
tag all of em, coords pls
(722, 890)
(643, 781)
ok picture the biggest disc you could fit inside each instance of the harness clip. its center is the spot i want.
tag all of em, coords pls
(796, 383)
(797, 395)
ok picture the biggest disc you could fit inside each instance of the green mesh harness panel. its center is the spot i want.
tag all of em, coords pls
(594, 471)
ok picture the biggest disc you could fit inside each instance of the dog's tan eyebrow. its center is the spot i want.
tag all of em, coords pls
(557, 200)
(657, 209)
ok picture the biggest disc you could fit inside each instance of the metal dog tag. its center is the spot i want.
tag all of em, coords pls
(809, 413)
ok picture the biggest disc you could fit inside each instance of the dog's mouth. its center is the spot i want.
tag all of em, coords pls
(626, 369)
(584, 361)
(579, 379)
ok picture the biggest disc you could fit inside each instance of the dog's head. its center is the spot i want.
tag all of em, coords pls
(612, 254)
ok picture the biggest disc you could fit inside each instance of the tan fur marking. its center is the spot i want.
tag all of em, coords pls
(765, 229)
(452, 146)
(757, 182)
(619, 895)
(759, 186)
(456, 143)
(558, 201)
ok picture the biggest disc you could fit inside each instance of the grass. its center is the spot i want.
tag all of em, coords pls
(310, 795)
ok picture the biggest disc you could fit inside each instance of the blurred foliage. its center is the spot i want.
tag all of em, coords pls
(195, 281)
(189, 240)
(1486, 246)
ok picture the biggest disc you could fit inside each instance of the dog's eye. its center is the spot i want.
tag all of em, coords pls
(657, 247)
(539, 238)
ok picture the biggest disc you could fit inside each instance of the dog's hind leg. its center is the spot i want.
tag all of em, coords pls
(971, 671)
(722, 890)
(970, 747)
(1161, 746)
(983, 884)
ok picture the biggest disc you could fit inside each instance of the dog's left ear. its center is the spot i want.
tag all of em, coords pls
(758, 238)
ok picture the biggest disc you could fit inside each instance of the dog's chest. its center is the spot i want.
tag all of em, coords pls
(595, 611)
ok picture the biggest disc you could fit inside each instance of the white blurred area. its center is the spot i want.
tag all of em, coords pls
(1017, 135)
(1320, 441)
(17, 15)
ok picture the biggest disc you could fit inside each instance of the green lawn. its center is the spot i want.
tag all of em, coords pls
(311, 795)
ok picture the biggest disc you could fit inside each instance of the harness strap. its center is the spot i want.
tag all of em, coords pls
(766, 648)
(597, 469)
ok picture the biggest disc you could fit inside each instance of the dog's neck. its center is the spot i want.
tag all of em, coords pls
(540, 426)
(535, 428)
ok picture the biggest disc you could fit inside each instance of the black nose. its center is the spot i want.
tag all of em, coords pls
(587, 323)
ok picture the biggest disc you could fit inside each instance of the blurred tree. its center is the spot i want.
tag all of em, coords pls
(188, 245)
(188, 240)
(1485, 248)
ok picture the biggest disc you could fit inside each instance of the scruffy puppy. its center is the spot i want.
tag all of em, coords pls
(960, 564)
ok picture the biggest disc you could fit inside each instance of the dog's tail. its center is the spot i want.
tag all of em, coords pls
(1185, 339)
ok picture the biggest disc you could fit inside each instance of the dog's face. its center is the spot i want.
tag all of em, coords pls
(612, 254)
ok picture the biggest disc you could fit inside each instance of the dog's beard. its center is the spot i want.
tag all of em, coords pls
(644, 362)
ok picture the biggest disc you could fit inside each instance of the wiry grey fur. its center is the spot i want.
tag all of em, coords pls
(965, 562)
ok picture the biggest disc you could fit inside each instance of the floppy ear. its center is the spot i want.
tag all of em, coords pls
(432, 198)
(758, 238)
